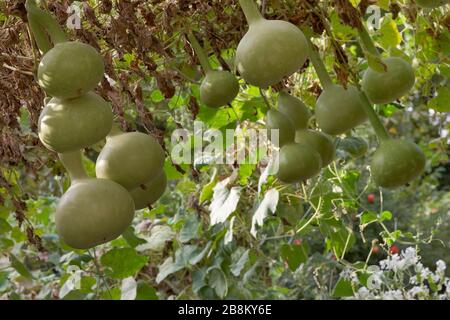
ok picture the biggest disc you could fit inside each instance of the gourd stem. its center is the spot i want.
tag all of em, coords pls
(367, 41)
(39, 35)
(49, 23)
(251, 11)
(115, 130)
(319, 66)
(375, 121)
(73, 164)
(200, 53)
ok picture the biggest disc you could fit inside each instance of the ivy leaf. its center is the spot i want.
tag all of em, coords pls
(121, 263)
(218, 281)
(368, 217)
(190, 229)
(295, 255)
(131, 238)
(269, 202)
(343, 288)
(145, 292)
(167, 268)
(237, 267)
(19, 267)
(159, 235)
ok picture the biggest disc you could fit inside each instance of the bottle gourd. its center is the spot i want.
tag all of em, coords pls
(319, 142)
(130, 159)
(298, 162)
(270, 50)
(275, 120)
(92, 211)
(218, 88)
(72, 124)
(149, 193)
(293, 108)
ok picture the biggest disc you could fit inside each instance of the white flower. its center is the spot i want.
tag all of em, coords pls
(363, 294)
(414, 291)
(440, 267)
(409, 257)
(392, 295)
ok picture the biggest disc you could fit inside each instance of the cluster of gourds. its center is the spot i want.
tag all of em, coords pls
(338, 109)
(129, 168)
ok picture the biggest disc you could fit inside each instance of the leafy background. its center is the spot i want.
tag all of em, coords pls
(266, 241)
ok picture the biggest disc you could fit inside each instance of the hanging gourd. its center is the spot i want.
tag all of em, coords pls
(130, 159)
(275, 120)
(270, 50)
(218, 88)
(395, 162)
(319, 142)
(338, 109)
(293, 108)
(149, 193)
(391, 84)
(298, 162)
(72, 124)
(92, 211)
(69, 69)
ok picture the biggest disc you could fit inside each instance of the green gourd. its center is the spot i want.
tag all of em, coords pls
(319, 142)
(270, 50)
(218, 88)
(92, 211)
(354, 146)
(130, 159)
(275, 120)
(339, 110)
(431, 3)
(294, 109)
(69, 69)
(386, 87)
(149, 193)
(298, 162)
(72, 124)
(397, 162)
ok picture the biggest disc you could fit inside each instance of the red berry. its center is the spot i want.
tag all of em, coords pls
(394, 249)
(297, 242)
(371, 198)
(375, 249)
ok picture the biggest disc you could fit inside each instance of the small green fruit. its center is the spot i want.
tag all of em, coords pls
(354, 146)
(275, 120)
(72, 124)
(130, 159)
(319, 142)
(339, 110)
(218, 88)
(294, 109)
(70, 69)
(397, 162)
(386, 87)
(298, 162)
(149, 193)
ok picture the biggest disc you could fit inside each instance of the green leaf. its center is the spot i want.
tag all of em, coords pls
(368, 217)
(294, 255)
(145, 292)
(390, 37)
(245, 171)
(131, 238)
(237, 267)
(19, 267)
(441, 103)
(122, 262)
(218, 281)
(343, 288)
(4, 226)
(385, 215)
(167, 268)
(190, 229)
(207, 190)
